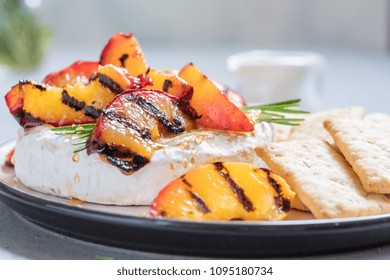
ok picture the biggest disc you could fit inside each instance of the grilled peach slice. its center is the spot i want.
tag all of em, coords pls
(168, 81)
(80, 71)
(132, 124)
(35, 104)
(225, 191)
(215, 108)
(124, 51)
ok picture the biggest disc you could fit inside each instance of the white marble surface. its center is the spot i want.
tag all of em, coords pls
(354, 78)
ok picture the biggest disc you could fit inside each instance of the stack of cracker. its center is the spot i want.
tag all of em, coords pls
(337, 162)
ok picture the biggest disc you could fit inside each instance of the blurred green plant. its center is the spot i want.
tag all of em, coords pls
(23, 38)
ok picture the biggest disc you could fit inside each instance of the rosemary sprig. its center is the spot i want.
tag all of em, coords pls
(274, 112)
(83, 131)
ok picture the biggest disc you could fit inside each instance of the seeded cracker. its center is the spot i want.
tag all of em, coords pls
(323, 179)
(366, 146)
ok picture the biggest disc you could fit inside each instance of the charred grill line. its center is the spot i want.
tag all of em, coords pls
(106, 81)
(152, 110)
(116, 116)
(188, 184)
(266, 170)
(278, 201)
(133, 163)
(190, 112)
(283, 202)
(71, 101)
(35, 85)
(123, 59)
(31, 119)
(240, 193)
(286, 204)
(274, 184)
(128, 165)
(167, 84)
(200, 203)
(39, 86)
(25, 82)
(92, 112)
(117, 152)
(26, 119)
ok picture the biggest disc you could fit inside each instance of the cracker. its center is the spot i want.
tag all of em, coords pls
(322, 178)
(312, 126)
(366, 146)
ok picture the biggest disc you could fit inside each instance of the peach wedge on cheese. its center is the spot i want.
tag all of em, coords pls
(217, 111)
(124, 51)
(225, 191)
(34, 103)
(131, 125)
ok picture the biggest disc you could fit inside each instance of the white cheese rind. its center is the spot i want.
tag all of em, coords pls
(45, 162)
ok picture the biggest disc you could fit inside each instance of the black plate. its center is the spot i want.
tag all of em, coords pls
(129, 227)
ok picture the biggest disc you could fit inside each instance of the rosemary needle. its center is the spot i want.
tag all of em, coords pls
(274, 112)
(83, 131)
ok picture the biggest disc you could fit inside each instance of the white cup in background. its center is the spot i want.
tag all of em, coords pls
(266, 76)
